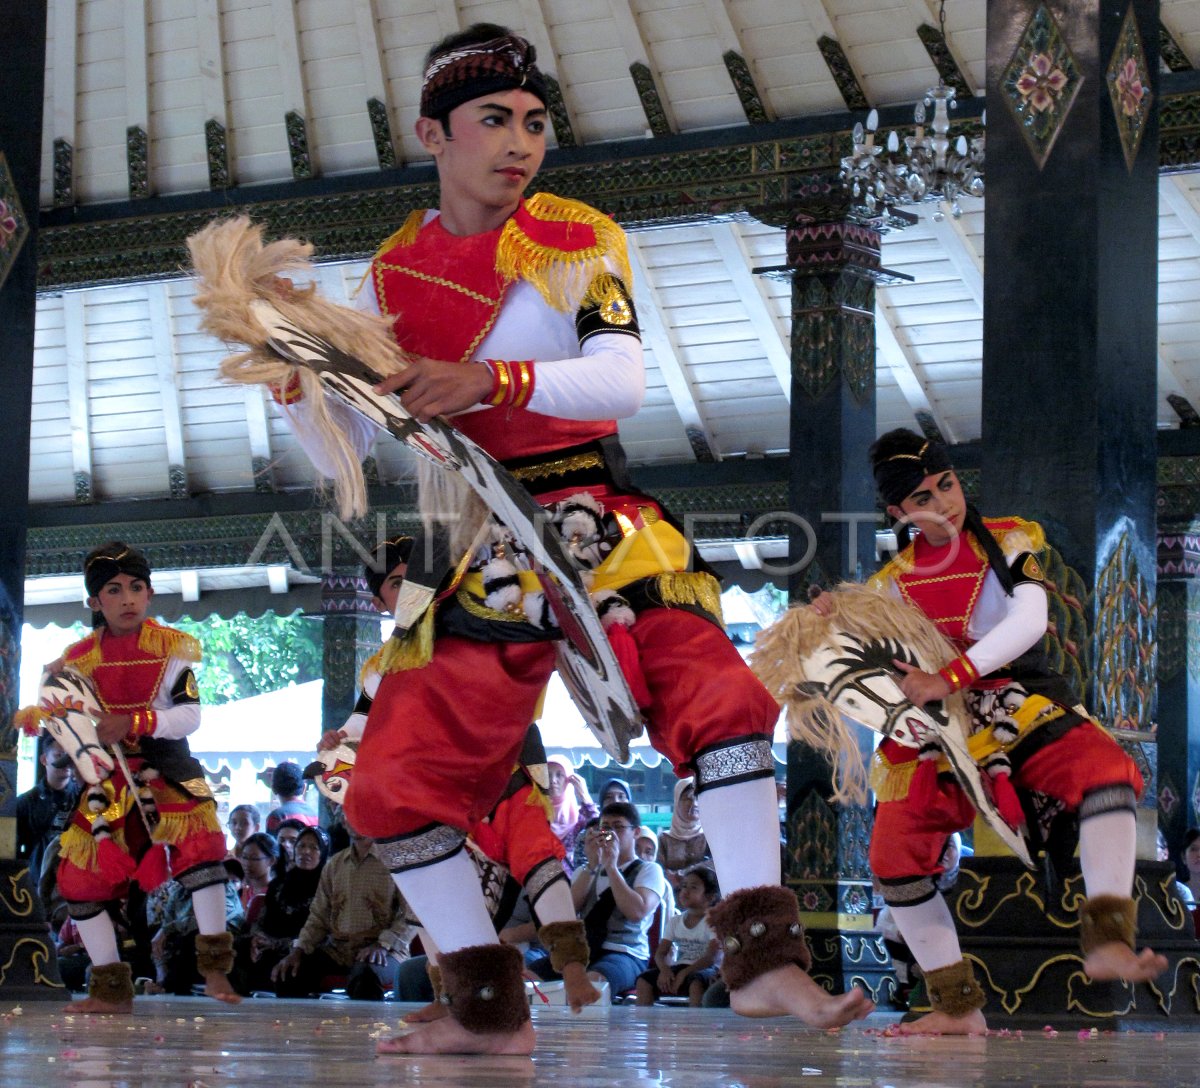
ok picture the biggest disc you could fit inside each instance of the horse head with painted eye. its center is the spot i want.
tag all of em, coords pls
(70, 710)
(833, 671)
(332, 770)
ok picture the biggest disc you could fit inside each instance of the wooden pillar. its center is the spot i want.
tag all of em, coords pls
(1068, 439)
(833, 262)
(1178, 693)
(31, 968)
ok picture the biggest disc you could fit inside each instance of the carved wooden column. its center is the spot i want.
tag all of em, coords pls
(1069, 367)
(833, 263)
(29, 966)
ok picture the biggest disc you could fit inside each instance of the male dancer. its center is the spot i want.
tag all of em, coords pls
(521, 319)
(977, 579)
(142, 673)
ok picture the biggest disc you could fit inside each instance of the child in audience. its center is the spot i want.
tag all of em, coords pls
(685, 962)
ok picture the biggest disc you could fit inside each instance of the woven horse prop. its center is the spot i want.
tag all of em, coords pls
(833, 672)
(68, 711)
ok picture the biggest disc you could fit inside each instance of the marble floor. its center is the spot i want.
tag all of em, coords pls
(195, 1043)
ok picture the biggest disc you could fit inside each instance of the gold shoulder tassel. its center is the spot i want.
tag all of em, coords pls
(168, 642)
(413, 651)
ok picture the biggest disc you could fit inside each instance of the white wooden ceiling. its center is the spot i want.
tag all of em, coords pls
(123, 382)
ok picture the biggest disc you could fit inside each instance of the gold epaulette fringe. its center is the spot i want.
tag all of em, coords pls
(691, 588)
(564, 278)
(538, 797)
(167, 642)
(891, 781)
(406, 235)
(85, 664)
(413, 651)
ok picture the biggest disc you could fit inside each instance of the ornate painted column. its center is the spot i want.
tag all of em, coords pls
(350, 631)
(1068, 439)
(28, 967)
(833, 263)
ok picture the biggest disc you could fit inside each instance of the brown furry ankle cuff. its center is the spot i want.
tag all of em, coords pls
(953, 990)
(111, 983)
(566, 942)
(1107, 918)
(759, 929)
(214, 953)
(435, 978)
(484, 989)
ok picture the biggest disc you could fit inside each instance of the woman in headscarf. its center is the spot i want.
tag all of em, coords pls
(615, 789)
(683, 844)
(573, 808)
(284, 913)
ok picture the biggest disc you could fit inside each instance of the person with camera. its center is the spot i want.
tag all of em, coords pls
(617, 894)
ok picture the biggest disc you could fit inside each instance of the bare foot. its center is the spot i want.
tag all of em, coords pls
(217, 985)
(1116, 960)
(938, 1023)
(448, 1036)
(787, 990)
(577, 987)
(435, 1010)
(94, 1004)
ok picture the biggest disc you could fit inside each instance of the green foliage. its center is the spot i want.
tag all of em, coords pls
(246, 656)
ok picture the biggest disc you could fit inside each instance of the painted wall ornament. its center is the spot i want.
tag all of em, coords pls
(1128, 81)
(14, 227)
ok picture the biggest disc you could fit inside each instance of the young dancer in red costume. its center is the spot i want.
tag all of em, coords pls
(142, 674)
(979, 581)
(520, 315)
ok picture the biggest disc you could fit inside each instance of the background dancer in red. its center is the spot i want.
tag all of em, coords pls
(978, 580)
(142, 674)
(520, 317)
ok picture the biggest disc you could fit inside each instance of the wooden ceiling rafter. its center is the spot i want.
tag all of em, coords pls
(899, 359)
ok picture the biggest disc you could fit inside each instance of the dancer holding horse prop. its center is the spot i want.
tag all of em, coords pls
(978, 579)
(152, 811)
(518, 318)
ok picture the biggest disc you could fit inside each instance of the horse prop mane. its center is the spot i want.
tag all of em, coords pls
(832, 673)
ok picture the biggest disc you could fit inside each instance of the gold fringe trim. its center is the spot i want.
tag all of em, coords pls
(87, 662)
(538, 798)
(79, 847)
(691, 588)
(891, 781)
(174, 827)
(167, 642)
(566, 280)
(413, 651)
(405, 236)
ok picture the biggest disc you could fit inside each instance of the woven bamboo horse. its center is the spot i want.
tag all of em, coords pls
(832, 672)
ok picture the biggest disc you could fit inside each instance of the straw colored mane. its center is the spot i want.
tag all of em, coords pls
(782, 651)
(233, 268)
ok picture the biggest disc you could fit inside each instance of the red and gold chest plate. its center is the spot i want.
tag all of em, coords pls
(943, 582)
(126, 677)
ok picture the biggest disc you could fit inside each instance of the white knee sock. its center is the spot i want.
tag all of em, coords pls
(929, 932)
(209, 905)
(1107, 852)
(447, 898)
(741, 823)
(100, 939)
(555, 904)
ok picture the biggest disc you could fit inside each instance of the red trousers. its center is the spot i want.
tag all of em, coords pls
(441, 741)
(908, 839)
(518, 835)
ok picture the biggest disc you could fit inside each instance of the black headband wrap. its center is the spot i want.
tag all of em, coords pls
(899, 475)
(388, 556)
(472, 71)
(102, 569)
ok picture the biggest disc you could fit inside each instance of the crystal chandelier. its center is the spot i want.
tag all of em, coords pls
(930, 168)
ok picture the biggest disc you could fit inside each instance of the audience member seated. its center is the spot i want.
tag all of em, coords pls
(259, 854)
(683, 845)
(288, 785)
(244, 821)
(615, 789)
(646, 848)
(284, 912)
(573, 808)
(44, 811)
(173, 947)
(73, 961)
(686, 960)
(617, 895)
(1191, 860)
(286, 835)
(356, 927)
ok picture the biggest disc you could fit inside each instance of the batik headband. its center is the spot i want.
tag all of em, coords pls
(472, 71)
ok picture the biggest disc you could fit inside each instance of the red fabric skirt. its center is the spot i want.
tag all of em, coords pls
(518, 835)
